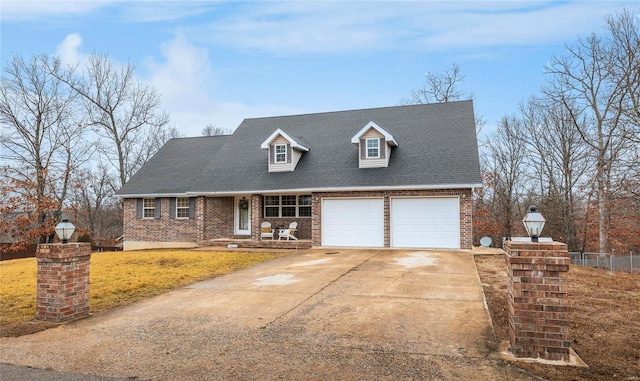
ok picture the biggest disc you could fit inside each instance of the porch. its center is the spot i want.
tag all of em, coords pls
(248, 243)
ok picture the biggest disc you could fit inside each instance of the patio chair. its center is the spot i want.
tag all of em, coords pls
(265, 230)
(288, 232)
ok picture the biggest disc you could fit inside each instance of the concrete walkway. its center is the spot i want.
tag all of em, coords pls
(317, 315)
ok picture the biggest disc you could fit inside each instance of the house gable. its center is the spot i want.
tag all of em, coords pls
(374, 145)
(283, 150)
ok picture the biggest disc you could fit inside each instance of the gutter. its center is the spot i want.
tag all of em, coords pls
(307, 190)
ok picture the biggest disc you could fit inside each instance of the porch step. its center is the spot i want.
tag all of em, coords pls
(266, 244)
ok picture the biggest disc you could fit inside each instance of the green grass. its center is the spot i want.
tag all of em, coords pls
(118, 278)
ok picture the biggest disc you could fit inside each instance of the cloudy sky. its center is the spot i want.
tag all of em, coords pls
(217, 62)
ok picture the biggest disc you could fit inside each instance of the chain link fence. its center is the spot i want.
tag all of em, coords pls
(619, 262)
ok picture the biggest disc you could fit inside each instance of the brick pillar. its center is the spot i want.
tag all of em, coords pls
(199, 215)
(256, 212)
(62, 281)
(538, 303)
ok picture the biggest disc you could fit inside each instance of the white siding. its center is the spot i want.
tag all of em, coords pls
(296, 157)
(372, 133)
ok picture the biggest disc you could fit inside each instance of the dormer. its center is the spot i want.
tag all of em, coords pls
(374, 145)
(284, 151)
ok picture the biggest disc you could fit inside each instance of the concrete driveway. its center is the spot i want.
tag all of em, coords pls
(317, 314)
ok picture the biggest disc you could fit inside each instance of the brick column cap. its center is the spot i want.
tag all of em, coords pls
(63, 250)
(542, 249)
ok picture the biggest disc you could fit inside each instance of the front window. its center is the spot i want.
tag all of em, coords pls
(373, 148)
(281, 153)
(272, 206)
(182, 207)
(149, 207)
(287, 206)
(304, 205)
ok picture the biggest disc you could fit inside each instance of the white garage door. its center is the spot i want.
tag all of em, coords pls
(353, 222)
(425, 222)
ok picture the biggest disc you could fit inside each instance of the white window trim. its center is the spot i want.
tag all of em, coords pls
(145, 208)
(178, 207)
(297, 206)
(377, 147)
(275, 157)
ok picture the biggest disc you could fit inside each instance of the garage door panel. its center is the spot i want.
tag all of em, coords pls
(425, 222)
(353, 222)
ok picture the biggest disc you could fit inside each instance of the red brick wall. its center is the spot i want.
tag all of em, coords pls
(214, 218)
(256, 213)
(62, 281)
(538, 300)
(158, 230)
(466, 220)
(218, 217)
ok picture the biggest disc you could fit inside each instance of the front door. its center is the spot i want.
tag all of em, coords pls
(242, 220)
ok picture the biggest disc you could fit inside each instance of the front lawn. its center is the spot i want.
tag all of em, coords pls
(116, 278)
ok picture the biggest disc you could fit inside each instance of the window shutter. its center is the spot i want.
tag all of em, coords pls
(289, 152)
(139, 208)
(156, 212)
(192, 207)
(363, 149)
(272, 153)
(383, 148)
(172, 208)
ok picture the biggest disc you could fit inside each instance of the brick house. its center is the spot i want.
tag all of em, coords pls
(384, 177)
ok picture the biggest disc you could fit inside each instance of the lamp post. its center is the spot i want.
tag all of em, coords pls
(64, 230)
(534, 223)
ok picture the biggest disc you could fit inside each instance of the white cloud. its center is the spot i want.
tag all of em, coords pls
(126, 11)
(343, 27)
(35, 9)
(68, 50)
(187, 82)
(142, 11)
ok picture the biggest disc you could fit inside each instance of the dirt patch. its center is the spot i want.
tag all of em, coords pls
(605, 320)
(24, 328)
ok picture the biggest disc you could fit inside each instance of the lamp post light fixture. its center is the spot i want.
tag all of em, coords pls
(64, 230)
(534, 223)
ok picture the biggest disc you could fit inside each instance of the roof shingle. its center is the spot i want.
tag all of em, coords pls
(437, 146)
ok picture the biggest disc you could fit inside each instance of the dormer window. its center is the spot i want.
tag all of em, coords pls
(281, 153)
(373, 148)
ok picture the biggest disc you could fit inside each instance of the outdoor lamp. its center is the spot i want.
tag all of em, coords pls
(64, 230)
(534, 223)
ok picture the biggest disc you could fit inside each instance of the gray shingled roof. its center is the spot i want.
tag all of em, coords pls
(437, 146)
(175, 166)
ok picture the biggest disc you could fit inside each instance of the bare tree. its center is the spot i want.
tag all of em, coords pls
(560, 159)
(443, 87)
(504, 167)
(123, 111)
(211, 130)
(625, 42)
(439, 87)
(93, 198)
(40, 140)
(587, 82)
